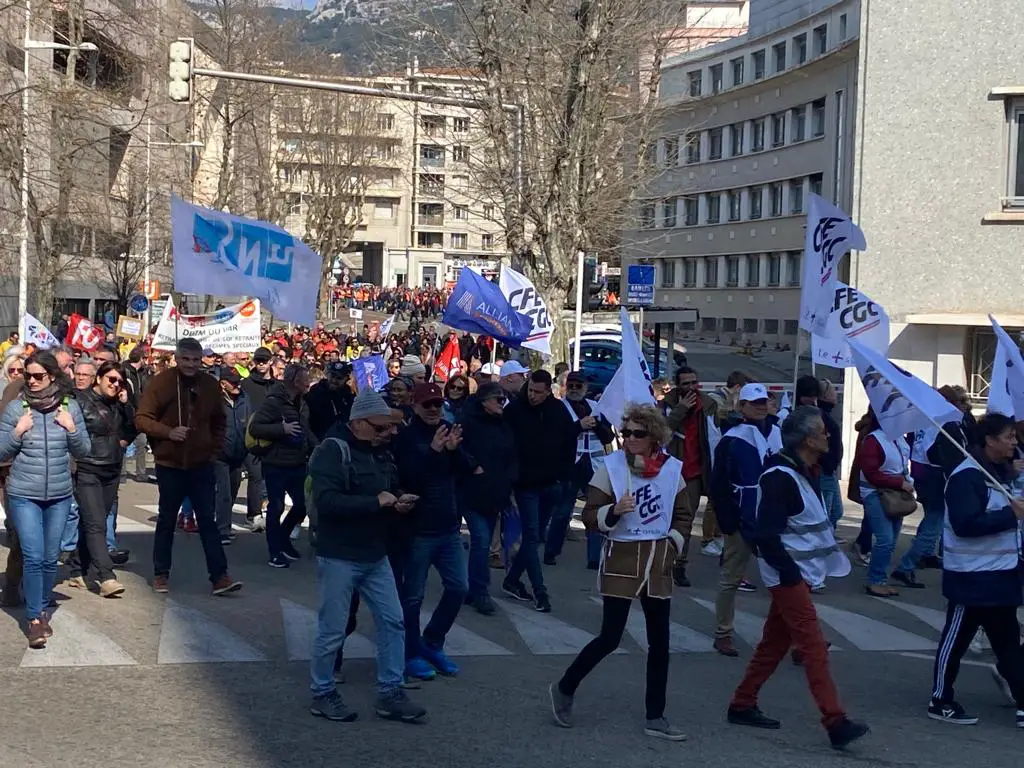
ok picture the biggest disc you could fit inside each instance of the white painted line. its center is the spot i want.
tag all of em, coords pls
(871, 635)
(153, 509)
(244, 509)
(76, 643)
(681, 639)
(190, 637)
(127, 525)
(963, 662)
(930, 616)
(300, 630)
(545, 635)
(462, 642)
(747, 625)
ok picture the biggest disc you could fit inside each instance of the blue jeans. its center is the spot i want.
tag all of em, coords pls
(39, 525)
(536, 506)
(932, 498)
(69, 536)
(337, 582)
(832, 497)
(446, 554)
(560, 518)
(281, 481)
(112, 527)
(885, 531)
(481, 531)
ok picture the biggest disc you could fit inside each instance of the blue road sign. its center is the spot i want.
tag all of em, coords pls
(640, 285)
(138, 303)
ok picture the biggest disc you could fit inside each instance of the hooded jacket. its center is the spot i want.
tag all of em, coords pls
(268, 424)
(545, 438)
(491, 441)
(326, 406)
(734, 478)
(257, 387)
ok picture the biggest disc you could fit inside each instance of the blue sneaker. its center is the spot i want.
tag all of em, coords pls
(439, 660)
(419, 668)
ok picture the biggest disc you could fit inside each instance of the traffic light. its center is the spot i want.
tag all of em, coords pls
(179, 85)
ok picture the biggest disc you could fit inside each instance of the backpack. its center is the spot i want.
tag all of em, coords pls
(254, 445)
(346, 458)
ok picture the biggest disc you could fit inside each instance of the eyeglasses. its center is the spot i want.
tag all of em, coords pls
(13, 369)
(457, 388)
(114, 381)
(36, 376)
(432, 404)
(639, 433)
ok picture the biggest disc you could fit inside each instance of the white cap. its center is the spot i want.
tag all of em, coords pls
(489, 369)
(512, 367)
(751, 392)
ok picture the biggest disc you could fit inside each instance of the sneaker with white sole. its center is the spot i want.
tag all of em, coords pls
(950, 712)
(713, 548)
(561, 706)
(661, 728)
(258, 524)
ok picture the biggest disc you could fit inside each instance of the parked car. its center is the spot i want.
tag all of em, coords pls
(601, 355)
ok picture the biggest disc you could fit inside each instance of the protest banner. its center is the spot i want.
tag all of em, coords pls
(130, 327)
(232, 329)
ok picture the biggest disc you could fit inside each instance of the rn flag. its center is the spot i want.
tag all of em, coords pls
(220, 254)
(830, 235)
(525, 298)
(853, 316)
(902, 402)
(631, 383)
(477, 305)
(1006, 390)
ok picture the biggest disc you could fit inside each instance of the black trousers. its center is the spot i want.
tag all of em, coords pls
(1003, 631)
(95, 496)
(613, 622)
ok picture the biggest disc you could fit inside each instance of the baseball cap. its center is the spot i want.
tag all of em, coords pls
(208, 352)
(426, 392)
(339, 368)
(576, 376)
(230, 375)
(489, 369)
(513, 367)
(752, 392)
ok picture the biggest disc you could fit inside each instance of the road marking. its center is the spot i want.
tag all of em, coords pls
(933, 618)
(76, 643)
(871, 635)
(963, 662)
(545, 635)
(153, 509)
(300, 629)
(747, 625)
(189, 636)
(681, 639)
(461, 642)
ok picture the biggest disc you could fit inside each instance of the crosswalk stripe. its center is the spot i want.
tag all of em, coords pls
(545, 635)
(681, 639)
(188, 636)
(871, 635)
(461, 642)
(76, 643)
(747, 625)
(300, 629)
(933, 618)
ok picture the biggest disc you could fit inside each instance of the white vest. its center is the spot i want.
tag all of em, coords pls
(808, 538)
(896, 455)
(997, 552)
(586, 441)
(655, 497)
(751, 435)
(924, 439)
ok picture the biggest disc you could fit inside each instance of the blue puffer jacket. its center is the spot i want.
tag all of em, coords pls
(41, 467)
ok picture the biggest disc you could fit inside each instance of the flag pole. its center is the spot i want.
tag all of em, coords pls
(967, 454)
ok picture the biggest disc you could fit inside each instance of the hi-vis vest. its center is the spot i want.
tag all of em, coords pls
(808, 539)
(655, 497)
(587, 442)
(924, 439)
(896, 455)
(996, 552)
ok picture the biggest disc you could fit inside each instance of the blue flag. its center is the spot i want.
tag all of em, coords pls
(371, 372)
(219, 254)
(477, 305)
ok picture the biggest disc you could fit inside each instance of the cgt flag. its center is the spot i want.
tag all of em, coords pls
(853, 316)
(1006, 390)
(477, 305)
(830, 234)
(82, 334)
(525, 298)
(448, 363)
(631, 382)
(220, 254)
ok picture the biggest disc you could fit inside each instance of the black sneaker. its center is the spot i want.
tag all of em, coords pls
(907, 579)
(290, 552)
(950, 712)
(278, 561)
(746, 586)
(1020, 718)
(398, 707)
(846, 732)
(119, 556)
(226, 541)
(753, 717)
(332, 708)
(679, 575)
(593, 565)
(933, 562)
(484, 605)
(543, 604)
(517, 591)
(549, 560)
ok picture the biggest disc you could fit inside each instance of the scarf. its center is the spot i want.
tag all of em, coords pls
(647, 466)
(45, 400)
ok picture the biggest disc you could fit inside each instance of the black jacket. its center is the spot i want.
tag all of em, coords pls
(237, 413)
(327, 406)
(268, 424)
(257, 388)
(830, 461)
(546, 440)
(430, 475)
(943, 453)
(108, 422)
(490, 440)
(137, 378)
(351, 525)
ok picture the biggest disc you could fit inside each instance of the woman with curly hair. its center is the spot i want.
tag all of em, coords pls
(456, 392)
(636, 500)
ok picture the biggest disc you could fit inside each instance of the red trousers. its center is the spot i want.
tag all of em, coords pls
(792, 621)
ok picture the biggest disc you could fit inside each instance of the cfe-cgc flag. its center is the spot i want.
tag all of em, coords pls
(525, 298)
(902, 402)
(477, 305)
(631, 383)
(220, 254)
(830, 235)
(385, 328)
(82, 334)
(1006, 390)
(853, 316)
(37, 334)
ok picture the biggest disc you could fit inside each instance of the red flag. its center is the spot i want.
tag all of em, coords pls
(83, 335)
(448, 363)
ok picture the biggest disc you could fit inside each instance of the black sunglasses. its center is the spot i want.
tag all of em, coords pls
(36, 376)
(640, 433)
(433, 404)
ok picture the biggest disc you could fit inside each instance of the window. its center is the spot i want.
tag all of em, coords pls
(774, 264)
(758, 58)
(729, 324)
(779, 129)
(385, 122)
(796, 196)
(460, 181)
(750, 325)
(647, 216)
(790, 327)
(488, 211)
(771, 327)
(756, 193)
(732, 271)
(460, 241)
(690, 208)
(779, 56)
(715, 144)
(737, 71)
(708, 323)
(757, 139)
(460, 153)
(733, 196)
(668, 213)
(460, 124)
(736, 139)
(1015, 187)
(651, 155)
(820, 40)
(487, 242)
(432, 155)
(668, 273)
(696, 80)
(710, 271)
(775, 190)
(800, 48)
(432, 125)
(383, 209)
(716, 78)
(818, 118)
(842, 26)
(689, 273)
(714, 208)
(460, 212)
(672, 151)
(793, 269)
(798, 116)
(815, 182)
(693, 148)
(753, 270)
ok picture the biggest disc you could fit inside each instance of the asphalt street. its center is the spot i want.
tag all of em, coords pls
(189, 680)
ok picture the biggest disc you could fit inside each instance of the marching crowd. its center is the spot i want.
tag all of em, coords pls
(388, 478)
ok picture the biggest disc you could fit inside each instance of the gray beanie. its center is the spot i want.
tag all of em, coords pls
(411, 366)
(368, 404)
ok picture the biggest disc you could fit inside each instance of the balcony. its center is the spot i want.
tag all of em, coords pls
(429, 240)
(431, 156)
(432, 191)
(430, 219)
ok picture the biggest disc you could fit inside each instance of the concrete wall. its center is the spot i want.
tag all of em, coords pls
(769, 15)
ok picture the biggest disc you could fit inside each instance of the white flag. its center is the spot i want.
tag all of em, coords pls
(631, 382)
(853, 316)
(830, 234)
(37, 334)
(525, 298)
(902, 402)
(1006, 390)
(385, 327)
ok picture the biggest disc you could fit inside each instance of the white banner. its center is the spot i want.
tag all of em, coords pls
(525, 298)
(1006, 390)
(853, 316)
(631, 382)
(830, 234)
(232, 329)
(35, 333)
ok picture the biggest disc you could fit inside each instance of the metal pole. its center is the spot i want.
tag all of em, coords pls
(149, 200)
(23, 250)
(579, 311)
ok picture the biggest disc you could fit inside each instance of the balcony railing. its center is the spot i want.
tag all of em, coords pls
(431, 162)
(431, 219)
(432, 190)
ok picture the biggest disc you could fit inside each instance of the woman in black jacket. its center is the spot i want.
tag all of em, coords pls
(109, 420)
(483, 497)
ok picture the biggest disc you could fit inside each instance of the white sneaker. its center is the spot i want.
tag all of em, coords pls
(259, 523)
(712, 549)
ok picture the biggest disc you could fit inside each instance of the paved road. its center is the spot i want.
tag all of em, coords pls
(191, 680)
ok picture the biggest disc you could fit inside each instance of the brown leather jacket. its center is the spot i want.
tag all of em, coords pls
(171, 400)
(675, 413)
